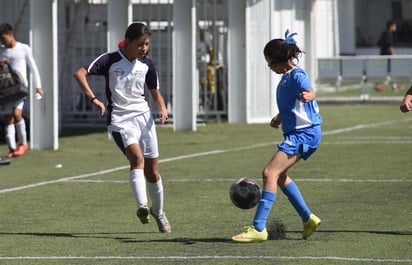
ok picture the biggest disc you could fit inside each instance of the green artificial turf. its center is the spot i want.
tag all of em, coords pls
(358, 183)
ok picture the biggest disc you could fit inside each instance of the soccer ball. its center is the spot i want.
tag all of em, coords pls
(245, 193)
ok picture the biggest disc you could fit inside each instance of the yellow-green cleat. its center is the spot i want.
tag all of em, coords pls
(310, 226)
(251, 235)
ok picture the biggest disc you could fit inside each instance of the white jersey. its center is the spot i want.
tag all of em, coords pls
(125, 84)
(19, 58)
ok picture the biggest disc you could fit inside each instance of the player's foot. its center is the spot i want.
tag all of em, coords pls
(4, 161)
(162, 222)
(10, 153)
(21, 149)
(310, 226)
(251, 235)
(143, 215)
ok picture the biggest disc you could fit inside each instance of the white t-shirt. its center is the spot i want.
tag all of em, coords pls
(19, 58)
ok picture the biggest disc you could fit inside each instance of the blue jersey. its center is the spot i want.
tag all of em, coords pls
(294, 113)
(125, 83)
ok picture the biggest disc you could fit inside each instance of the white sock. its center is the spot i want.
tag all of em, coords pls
(138, 184)
(21, 132)
(11, 136)
(156, 194)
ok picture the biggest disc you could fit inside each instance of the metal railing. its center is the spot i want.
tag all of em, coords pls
(364, 69)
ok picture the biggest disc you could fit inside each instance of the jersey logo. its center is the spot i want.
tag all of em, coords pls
(119, 71)
(128, 134)
(139, 74)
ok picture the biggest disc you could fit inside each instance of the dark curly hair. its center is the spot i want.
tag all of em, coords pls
(277, 51)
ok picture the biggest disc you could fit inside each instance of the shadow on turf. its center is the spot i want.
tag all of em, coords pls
(115, 236)
(186, 241)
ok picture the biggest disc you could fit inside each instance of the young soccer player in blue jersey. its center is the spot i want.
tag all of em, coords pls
(300, 120)
(129, 119)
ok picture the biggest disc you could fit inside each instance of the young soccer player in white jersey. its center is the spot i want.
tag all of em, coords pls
(19, 56)
(129, 118)
(300, 119)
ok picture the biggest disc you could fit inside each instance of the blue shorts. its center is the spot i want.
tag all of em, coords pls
(303, 141)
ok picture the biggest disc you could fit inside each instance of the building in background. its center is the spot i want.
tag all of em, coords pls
(232, 81)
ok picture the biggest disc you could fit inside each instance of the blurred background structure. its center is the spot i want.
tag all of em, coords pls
(208, 52)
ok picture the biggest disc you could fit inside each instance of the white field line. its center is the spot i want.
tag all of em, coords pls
(363, 126)
(102, 172)
(376, 260)
(42, 183)
(231, 180)
(358, 142)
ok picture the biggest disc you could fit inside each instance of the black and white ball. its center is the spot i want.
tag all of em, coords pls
(245, 193)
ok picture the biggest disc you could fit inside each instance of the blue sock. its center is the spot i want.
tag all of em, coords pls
(263, 209)
(291, 190)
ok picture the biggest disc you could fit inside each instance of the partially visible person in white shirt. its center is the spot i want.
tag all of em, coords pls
(19, 56)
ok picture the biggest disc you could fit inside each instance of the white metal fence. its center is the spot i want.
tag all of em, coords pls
(85, 39)
(363, 69)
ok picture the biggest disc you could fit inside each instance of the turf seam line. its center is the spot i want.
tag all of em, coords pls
(231, 180)
(380, 260)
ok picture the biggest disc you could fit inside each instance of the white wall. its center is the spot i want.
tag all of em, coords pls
(259, 86)
(261, 82)
(325, 25)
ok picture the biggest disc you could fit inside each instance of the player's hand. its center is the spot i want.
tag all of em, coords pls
(275, 122)
(100, 106)
(405, 106)
(163, 116)
(40, 91)
(3, 61)
(307, 95)
(406, 102)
